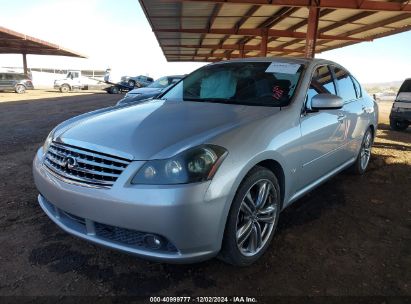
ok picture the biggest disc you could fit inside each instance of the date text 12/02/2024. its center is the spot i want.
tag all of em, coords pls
(187, 299)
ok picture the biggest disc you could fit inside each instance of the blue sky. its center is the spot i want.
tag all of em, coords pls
(116, 34)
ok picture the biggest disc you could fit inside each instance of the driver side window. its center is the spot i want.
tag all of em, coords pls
(321, 82)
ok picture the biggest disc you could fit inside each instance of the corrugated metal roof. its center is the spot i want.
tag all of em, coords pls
(12, 42)
(210, 30)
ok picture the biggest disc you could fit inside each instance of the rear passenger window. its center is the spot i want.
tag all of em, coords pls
(345, 85)
(357, 87)
(322, 82)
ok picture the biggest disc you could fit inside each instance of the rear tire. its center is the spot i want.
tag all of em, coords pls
(114, 90)
(20, 89)
(64, 88)
(252, 219)
(397, 125)
(363, 158)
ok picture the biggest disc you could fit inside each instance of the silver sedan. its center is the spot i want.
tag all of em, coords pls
(206, 169)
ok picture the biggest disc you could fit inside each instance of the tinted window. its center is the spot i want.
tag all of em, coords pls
(321, 82)
(160, 83)
(174, 80)
(406, 86)
(357, 87)
(345, 85)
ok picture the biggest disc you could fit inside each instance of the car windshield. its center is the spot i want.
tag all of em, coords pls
(406, 86)
(161, 83)
(245, 83)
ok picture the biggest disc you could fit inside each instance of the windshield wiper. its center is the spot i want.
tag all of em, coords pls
(215, 100)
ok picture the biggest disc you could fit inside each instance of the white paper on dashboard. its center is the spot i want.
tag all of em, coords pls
(282, 67)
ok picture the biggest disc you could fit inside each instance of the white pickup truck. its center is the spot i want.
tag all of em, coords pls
(75, 80)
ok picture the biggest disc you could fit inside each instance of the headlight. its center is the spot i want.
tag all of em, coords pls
(193, 165)
(47, 142)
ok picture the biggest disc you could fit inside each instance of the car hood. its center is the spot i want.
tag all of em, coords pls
(157, 129)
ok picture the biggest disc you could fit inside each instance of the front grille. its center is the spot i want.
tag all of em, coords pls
(90, 168)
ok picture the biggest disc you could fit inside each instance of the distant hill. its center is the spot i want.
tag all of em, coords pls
(377, 87)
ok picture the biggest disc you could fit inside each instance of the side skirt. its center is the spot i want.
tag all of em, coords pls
(319, 181)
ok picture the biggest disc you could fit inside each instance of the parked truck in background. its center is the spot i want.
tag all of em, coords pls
(74, 80)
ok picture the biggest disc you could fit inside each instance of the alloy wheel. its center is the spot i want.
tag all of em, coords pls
(365, 153)
(20, 89)
(256, 217)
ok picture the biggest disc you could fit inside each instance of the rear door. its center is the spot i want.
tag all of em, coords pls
(8, 82)
(323, 132)
(354, 109)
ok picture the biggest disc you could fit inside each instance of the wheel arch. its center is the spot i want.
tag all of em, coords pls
(275, 167)
(271, 160)
(19, 83)
(66, 84)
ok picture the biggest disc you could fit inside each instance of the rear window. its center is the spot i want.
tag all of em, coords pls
(406, 86)
(346, 89)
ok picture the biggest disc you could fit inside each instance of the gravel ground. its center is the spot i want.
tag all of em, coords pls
(7, 96)
(351, 236)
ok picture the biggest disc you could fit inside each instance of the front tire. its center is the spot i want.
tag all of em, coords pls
(64, 88)
(131, 83)
(252, 219)
(114, 90)
(397, 125)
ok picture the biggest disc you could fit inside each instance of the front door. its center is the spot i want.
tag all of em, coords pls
(323, 133)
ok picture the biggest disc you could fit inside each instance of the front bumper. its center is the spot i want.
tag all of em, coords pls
(401, 116)
(179, 214)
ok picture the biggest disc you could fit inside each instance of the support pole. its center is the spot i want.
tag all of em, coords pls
(25, 64)
(264, 42)
(242, 53)
(312, 30)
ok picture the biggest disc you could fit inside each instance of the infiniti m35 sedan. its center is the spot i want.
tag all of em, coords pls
(206, 169)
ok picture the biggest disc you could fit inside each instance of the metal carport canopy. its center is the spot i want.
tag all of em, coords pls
(12, 42)
(213, 30)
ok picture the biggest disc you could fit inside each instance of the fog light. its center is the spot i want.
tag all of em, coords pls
(153, 241)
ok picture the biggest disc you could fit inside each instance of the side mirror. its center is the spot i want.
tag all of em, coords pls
(326, 101)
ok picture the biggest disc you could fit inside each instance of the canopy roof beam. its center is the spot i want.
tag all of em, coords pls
(366, 5)
(257, 32)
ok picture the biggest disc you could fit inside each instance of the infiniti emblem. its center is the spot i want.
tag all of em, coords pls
(71, 162)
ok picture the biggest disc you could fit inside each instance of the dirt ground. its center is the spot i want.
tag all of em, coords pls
(7, 96)
(351, 236)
